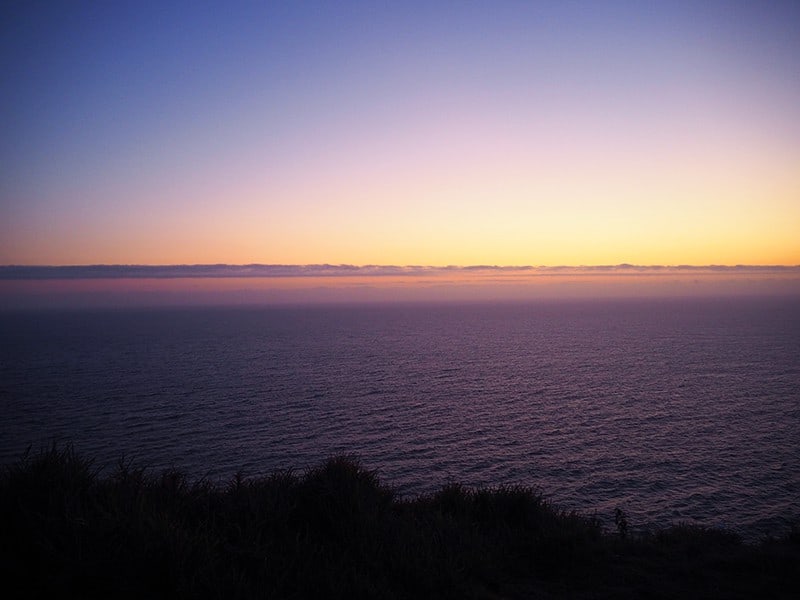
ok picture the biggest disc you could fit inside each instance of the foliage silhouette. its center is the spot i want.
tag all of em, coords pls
(336, 531)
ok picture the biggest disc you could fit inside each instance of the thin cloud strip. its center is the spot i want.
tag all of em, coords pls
(21, 272)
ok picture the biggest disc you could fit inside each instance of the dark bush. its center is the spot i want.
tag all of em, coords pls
(337, 532)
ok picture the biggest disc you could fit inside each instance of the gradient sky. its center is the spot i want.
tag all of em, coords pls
(508, 133)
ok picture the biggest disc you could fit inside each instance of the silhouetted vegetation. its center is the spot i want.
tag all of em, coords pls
(336, 531)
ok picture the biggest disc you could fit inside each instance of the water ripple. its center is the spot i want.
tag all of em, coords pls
(673, 410)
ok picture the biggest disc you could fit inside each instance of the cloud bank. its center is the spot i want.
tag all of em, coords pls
(33, 273)
(27, 287)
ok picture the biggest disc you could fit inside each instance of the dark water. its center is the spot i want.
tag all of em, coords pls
(674, 410)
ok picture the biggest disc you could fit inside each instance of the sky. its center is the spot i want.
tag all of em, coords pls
(400, 133)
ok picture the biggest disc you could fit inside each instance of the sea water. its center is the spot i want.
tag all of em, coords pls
(679, 410)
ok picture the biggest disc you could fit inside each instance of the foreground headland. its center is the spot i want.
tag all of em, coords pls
(336, 531)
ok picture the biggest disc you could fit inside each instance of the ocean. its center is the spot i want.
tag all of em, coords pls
(674, 410)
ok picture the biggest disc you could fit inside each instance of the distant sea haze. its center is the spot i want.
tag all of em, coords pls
(671, 409)
(82, 286)
(100, 271)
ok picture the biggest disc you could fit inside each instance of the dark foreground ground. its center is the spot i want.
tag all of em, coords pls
(337, 532)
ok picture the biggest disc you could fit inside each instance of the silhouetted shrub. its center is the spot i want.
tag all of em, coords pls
(336, 531)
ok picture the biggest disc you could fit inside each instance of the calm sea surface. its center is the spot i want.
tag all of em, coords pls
(674, 410)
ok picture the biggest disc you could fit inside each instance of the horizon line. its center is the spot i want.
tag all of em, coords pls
(266, 270)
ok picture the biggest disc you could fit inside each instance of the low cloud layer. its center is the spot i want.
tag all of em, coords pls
(33, 273)
(27, 287)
